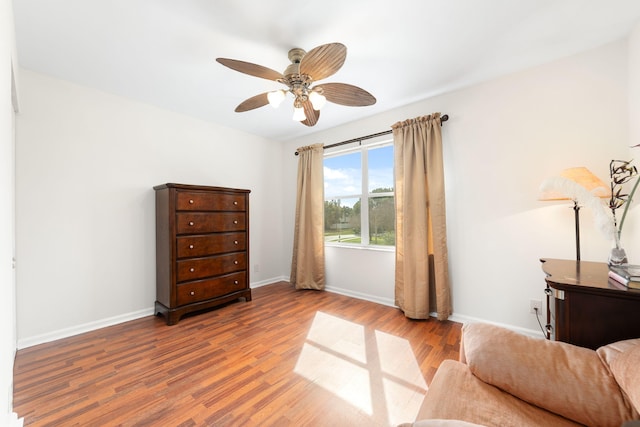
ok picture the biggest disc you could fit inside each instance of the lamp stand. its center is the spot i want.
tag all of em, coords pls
(576, 211)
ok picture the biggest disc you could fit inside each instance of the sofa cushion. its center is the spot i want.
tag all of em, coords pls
(610, 352)
(565, 379)
(623, 360)
(456, 394)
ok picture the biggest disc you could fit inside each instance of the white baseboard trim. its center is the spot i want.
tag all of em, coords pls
(103, 323)
(454, 317)
(12, 420)
(269, 281)
(91, 326)
(367, 297)
(350, 293)
(80, 329)
(468, 319)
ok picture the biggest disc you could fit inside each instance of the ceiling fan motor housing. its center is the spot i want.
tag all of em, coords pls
(298, 84)
(296, 54)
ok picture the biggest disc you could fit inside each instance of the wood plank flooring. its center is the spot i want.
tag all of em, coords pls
(303, 358)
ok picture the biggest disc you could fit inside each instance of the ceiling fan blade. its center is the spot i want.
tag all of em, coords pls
(312, 115)
(253, 102)
(323, 61)
(250, 68)
(345, 94)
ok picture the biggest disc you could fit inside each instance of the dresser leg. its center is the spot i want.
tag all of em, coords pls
(170, 316)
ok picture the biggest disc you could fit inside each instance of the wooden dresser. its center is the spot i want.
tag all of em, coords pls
(202, 248)
(585, 308)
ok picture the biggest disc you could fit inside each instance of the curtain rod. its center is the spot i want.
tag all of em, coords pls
(443, 118)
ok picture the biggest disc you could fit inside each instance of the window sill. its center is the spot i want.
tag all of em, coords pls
(361, 247)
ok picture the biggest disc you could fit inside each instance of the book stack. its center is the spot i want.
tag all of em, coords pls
(627, 275)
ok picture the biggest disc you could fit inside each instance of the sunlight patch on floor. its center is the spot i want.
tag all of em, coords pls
(404, 385)
(373, 371)
(336, 374)
(339, 336)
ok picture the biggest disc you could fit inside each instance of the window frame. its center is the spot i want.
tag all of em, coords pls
(364, 196)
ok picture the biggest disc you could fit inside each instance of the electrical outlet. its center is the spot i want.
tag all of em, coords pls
(535, 304)
(256, 268)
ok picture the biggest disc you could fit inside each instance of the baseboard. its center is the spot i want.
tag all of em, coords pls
(12, 420)
(269, 281)
(468, 319)
(80, 329)
(367, 297)
(91, 326)
(454, 317)
(87, 327)
(353, 294)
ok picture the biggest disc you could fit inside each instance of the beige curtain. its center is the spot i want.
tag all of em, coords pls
(422, 276)
(307, 265)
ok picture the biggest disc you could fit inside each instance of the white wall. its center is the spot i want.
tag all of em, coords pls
(503, 139)
(86, 163)
(8, 103)
(634, 86)
(631, 230)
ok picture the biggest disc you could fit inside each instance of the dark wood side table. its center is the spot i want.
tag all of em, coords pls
(584, 308)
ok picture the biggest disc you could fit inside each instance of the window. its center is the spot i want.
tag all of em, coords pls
(357, 177)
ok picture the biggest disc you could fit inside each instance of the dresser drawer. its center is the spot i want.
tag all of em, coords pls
(201, 201)
(199, 222)
(210, 244)
(201, 290)
(199, 268)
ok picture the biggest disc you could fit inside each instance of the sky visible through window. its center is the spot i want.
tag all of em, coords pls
(343, 174)
(381, 168)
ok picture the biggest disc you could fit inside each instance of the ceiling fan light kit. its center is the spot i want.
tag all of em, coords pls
(276, 97)
(318, 100)
(298, 113)
(305, 69)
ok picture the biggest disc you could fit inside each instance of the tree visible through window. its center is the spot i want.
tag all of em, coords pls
(354, 178)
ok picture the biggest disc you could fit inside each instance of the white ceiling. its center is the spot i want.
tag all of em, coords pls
(163, 52)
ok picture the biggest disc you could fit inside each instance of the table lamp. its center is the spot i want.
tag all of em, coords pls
(581, 186)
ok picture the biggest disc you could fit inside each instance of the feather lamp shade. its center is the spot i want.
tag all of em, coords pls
(571, 182)
(579, 185)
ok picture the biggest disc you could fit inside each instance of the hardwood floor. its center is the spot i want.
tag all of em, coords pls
(303, 358)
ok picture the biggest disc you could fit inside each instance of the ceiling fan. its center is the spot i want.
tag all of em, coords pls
(305, 69)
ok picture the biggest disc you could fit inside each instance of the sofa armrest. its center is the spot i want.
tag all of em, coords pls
(565, 379)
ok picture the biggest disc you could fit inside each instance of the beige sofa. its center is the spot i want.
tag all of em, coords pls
(508, 379)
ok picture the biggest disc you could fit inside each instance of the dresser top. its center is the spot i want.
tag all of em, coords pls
(587, 276)
(198, 188)
(572, 272)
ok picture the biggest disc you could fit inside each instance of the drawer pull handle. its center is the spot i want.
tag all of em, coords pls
(235, 282)
(235, 242)
(192, 293)
(190, 246)
(235, 221)
(192, 269)
(235, 203)
(190, 223)
(235, 262)
(190, 201)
